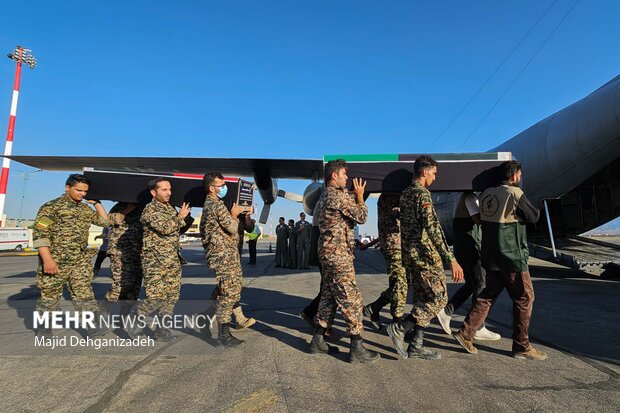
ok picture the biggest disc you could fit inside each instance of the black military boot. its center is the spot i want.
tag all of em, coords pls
(319, 346)
(226, 339)
(165, 335)
(416, 347)
(373, 309)
(359, 354)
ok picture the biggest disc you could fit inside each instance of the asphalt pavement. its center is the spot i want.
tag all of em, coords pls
(575, 321)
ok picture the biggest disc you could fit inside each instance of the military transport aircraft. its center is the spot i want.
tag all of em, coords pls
(571, 161)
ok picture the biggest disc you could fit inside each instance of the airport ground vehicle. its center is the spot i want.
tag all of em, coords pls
(13, 239)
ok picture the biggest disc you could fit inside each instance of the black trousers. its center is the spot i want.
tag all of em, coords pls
(475, 281)
(252, 248)
(312, 308)
(101, 255)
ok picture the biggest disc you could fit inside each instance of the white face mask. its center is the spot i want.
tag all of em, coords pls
(222, 191)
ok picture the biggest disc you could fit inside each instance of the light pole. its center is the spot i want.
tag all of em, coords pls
(20, 55)
(21, 202)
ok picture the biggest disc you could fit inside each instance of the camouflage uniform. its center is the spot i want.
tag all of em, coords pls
(240, 231)
(161, 262)
(425, 252)
(124, 250)
(218, 230)
(337, 214)
(62, 225)
(388, 211)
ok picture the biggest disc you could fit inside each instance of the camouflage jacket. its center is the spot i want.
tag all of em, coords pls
(161, 229)
(62, 225)
(388, 212)
(218, 230)
(125, 234)
(423, 241)
(337, 214)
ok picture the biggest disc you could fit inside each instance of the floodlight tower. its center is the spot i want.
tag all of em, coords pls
(20, 55)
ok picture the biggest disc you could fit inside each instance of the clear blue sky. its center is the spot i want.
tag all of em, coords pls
(289, 79)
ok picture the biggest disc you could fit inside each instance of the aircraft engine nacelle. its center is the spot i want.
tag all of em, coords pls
(268, 191)
(267, 188)
(312, 193)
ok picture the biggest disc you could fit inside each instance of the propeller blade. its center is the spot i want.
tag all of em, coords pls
(291, 196)
(264, 214)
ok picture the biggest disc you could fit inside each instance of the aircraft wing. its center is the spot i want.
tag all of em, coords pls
(242, 167)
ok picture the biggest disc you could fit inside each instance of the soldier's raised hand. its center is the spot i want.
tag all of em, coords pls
(359, 186)
(235, 210)
(185, 210)
(457, 271)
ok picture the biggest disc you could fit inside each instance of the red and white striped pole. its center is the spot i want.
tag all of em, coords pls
(20, 55)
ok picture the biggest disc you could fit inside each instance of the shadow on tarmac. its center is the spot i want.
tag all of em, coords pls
(572, 313)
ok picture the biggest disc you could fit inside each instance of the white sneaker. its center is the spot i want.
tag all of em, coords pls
(444, 321)
(485, 334)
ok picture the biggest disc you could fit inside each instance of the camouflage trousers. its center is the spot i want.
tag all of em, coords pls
(429, 292)
(162, 284)
(396, 292)
(227, 292)
(126, 276)
(227, 267)
(78, 277)
(340, 291)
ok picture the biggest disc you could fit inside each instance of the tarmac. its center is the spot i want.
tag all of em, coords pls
(575, 321)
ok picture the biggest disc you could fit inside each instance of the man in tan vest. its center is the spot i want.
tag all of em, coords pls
(504, 211)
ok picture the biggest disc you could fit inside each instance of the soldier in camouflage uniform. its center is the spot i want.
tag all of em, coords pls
(425, 252)
(338, 214)
(388, 211)
(161, 260)
(246, 223)
(124, 250)
(218, 230)
(60, 234)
